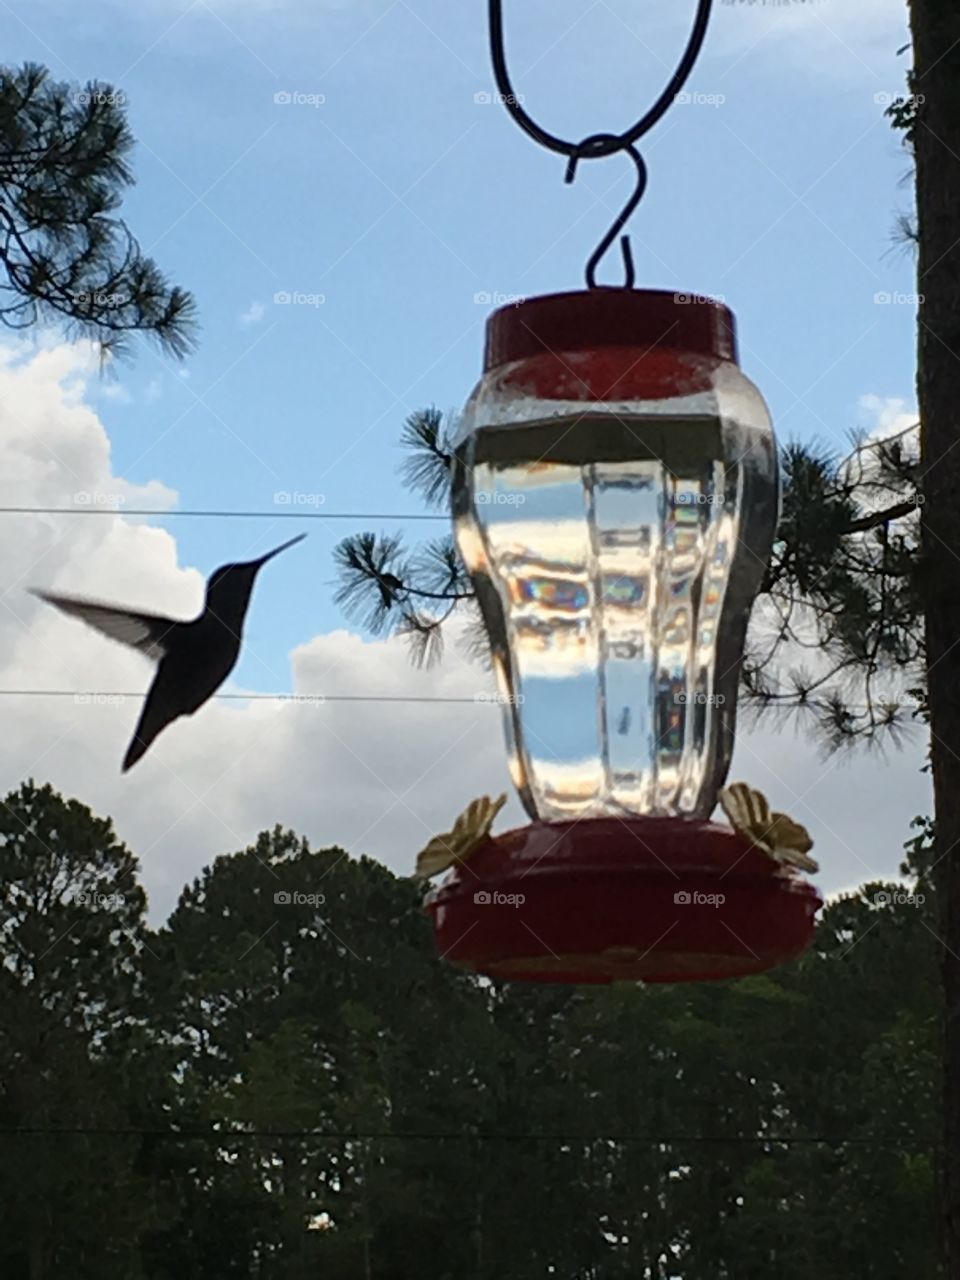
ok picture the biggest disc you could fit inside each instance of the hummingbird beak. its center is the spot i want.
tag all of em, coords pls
(276, 551)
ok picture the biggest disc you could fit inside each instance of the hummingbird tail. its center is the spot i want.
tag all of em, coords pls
(136, 749)
(152, 720)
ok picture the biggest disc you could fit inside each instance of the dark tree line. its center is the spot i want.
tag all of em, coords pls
(281, 1089)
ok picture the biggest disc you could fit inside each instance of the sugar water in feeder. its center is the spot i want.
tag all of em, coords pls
(615, 501)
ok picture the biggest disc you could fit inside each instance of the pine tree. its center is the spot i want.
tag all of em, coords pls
(71, 935)
(67, 259)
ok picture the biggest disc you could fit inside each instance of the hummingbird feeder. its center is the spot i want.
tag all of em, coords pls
(615, 500)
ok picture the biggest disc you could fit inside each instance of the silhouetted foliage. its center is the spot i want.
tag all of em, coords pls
(285, 1081)
(63, 168)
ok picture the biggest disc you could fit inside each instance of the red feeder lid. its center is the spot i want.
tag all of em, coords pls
(610, 317)
(609, 899)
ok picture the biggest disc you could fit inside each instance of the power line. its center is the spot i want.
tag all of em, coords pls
(303, 699)
(220, 515)
(310, 699)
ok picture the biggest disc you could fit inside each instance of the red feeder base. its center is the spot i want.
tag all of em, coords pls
(614, 900)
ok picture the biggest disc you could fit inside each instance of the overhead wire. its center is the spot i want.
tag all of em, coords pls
(224, 515)
(317, 699)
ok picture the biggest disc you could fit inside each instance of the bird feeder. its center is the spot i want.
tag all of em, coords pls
(615, 500)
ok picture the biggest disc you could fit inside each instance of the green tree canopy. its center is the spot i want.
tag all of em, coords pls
(285, 1080)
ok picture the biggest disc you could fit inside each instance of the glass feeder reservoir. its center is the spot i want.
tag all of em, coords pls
(615, 501)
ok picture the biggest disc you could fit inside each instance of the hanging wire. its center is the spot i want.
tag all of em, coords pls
(305, 699)
(599, 145)
(298, 514)
(302, 699)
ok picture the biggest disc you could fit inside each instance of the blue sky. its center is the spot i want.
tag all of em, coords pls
(400, 197)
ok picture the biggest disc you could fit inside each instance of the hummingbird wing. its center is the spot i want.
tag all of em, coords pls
(145, 632)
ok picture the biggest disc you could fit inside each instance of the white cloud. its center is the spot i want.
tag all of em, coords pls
(116, 392)
(855, 39)
(839, 27)
(152, 496)
(253, 315)
(888, 415)
(377, 778)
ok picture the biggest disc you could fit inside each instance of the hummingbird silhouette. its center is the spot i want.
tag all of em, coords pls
(194, 657)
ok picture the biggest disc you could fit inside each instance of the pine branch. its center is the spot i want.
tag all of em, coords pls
(841, 590)
(63, 170)
(427, 469)
(877, 518)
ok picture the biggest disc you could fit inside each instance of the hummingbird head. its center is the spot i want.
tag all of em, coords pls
(228, 591)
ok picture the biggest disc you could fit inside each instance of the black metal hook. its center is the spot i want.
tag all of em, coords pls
(599, 144)
(589, 149)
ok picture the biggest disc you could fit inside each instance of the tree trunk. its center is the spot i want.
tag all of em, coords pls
(936, 51)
